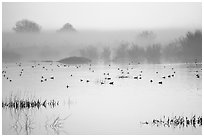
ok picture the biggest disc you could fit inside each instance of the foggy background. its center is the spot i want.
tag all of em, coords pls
(132, 32)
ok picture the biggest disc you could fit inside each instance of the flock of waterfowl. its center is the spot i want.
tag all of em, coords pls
(107, 77)
(123, 73)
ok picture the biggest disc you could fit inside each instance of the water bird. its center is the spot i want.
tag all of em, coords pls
(123, 77)
(52, 77)
(151, 80)
(10, 80)
(136, 77)
(160, 82)
(111, 83)
(169, 76)
(87, 81)
(67, 86)
(157, 72)
(163, 77)
(197, 76)
(81, 80)
(41, 80)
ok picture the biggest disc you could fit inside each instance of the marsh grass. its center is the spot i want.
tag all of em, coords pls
(56, 124)
(17, 101)
(176, 121)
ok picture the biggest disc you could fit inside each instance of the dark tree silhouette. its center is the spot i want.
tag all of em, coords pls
(26, 26)
(172, 52)
(10, 56)
(153, 53)
(106, 54)
(136, 53)
(147, 35)
(121, 53)
(192, 46)
(185, 49)
(67, 28)
(90, 52)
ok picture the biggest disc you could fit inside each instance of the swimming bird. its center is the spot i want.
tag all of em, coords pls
(136, 77)
(197, 76)
(111, 83)
(160, 82)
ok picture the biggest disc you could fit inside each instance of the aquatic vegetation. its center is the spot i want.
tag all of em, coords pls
(28, 124)
(23, 121)
(176, 121)
(18, 102)
(56, 124)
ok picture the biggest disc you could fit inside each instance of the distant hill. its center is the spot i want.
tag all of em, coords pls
(75, 60)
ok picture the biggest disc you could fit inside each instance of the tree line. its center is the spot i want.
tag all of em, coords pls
(29, 26)
(184, 49)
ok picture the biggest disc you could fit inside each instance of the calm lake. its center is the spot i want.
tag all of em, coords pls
(101, 99)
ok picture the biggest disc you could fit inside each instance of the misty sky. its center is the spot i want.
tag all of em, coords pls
(105, 16)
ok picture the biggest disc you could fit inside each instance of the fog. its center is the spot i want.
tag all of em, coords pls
(122, 46)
